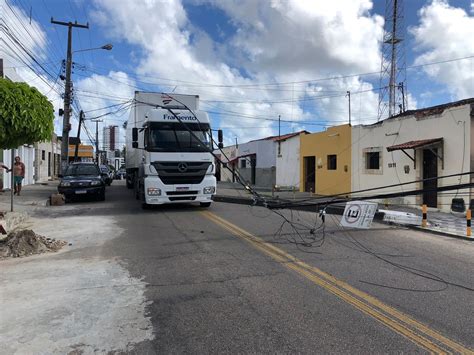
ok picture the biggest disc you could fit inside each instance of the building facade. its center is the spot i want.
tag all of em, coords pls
(47, 160)
(414, 146)
(288, 161)
(110, 138)
(325, 161)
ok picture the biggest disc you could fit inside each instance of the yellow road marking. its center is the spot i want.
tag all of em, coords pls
(401, 323)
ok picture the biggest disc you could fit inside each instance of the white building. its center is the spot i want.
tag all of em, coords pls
(288, 160)
(256, 161)
(228, 155)
(416, 145)
(47, 160)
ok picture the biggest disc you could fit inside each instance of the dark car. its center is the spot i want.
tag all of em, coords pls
(82, 179)
(107, 174)
(120, 174)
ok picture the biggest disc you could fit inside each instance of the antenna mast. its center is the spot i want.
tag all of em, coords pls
(393, 66)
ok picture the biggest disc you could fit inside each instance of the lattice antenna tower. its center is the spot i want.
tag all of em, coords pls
(393, 66)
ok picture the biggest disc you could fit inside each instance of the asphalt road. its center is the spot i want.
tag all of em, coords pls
(223, 280)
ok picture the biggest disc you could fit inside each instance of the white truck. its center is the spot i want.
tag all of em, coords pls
(169, 160)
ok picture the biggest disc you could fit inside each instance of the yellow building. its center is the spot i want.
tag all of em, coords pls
(325, 164)
(85, 152)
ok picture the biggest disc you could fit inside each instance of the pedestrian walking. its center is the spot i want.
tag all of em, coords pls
(2, 166)
(18, 174)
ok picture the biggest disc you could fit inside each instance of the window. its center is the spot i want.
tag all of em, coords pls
(243, 163)
(332, 162)
(43, 155)
(372, 160)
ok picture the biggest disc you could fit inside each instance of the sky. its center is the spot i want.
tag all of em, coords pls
(250, 61)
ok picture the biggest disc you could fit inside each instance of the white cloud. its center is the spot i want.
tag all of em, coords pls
(97, 92)
(446, 32)
(275, 41)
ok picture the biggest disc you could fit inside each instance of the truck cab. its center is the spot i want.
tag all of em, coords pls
(169, 157)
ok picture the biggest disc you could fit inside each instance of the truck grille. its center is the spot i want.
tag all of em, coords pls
(181, 172)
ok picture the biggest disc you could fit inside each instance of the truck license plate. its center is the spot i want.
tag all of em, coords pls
(182, 188)
(81, 192)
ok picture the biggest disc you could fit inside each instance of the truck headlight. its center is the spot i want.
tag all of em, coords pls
(152, 191)
(209, 190)
(65, 183)
(95, 183)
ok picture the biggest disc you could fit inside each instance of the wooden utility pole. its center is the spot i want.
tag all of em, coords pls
(67, 91)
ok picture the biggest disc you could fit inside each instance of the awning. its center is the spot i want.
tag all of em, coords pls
(415, 144)
(422, 143)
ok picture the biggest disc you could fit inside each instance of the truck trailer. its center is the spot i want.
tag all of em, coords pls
(169, 150)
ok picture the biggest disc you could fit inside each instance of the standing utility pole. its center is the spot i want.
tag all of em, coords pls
(279, 135)
(81, 119)
(67, 91)
(97, 140)
(393, 67)
(349, 96)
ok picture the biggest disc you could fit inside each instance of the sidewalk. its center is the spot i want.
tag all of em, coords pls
(450, 224)
(31, 195)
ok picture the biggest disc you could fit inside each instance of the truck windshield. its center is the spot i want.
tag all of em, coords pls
(174, 137)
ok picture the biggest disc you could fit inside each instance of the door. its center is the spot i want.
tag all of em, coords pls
(309, 172)
(253, 167)
(49, 164)
(430, 170)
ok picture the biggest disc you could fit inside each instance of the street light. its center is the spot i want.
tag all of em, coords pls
(107, 47)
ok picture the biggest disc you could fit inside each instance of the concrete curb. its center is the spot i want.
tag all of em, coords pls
(337, 210)
(445, 234)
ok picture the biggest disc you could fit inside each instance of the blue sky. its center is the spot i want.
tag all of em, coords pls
(250, 61)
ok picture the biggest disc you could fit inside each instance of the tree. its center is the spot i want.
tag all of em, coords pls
(26, 115)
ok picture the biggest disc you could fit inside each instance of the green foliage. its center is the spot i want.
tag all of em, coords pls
(26, 116)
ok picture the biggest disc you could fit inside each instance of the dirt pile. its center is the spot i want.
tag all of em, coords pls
(26, 242)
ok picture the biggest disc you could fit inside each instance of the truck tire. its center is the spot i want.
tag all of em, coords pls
(205, 204)
(129, 184)
(101, 196)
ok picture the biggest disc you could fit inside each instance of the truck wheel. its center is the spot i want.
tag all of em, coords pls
(101, 196)
(145, 206)
(129, 184)
(205, 204)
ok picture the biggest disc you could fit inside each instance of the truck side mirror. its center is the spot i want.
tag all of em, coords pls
(134, 144)
(134, 135)
(220, 137)
(221, 145)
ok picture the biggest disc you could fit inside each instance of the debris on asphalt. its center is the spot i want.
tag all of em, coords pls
(26, 242)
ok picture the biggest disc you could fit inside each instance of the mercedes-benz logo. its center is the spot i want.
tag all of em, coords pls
(182, 167)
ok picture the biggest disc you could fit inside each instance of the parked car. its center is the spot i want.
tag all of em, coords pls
(120, 174)
(82, 179)
(107, 174)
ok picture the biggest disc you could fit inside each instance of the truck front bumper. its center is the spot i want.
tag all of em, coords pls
(157, 193)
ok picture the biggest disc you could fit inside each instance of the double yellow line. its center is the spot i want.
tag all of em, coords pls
(399, 322)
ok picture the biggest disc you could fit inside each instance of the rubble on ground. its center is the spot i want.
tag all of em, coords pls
(26, 242)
